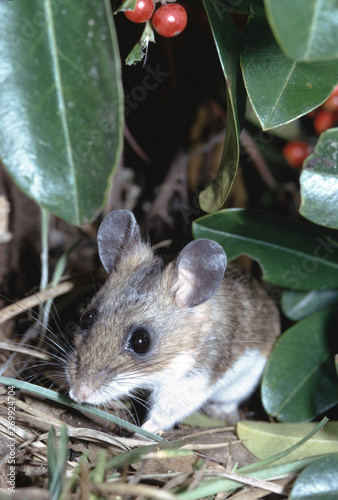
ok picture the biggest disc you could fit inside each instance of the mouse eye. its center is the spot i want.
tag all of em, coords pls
(87, 319)
(139, 341)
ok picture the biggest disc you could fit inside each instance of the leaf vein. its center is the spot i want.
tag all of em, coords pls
(60, 96)
(273, 110)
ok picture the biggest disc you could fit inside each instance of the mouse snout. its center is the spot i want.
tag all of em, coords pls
(80, 393)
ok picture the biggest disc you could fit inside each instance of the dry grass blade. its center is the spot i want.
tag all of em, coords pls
(252, 481)
(91, 435)
(26, 493)
(35, 300)
(257, 494)
(23, 350)
(198, 476)
(142, 490)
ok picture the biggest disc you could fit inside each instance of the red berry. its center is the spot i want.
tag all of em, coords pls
(335, 91)
(331, 104)
(295, 152)
(324, 120)
(143, 11)
(311, 114)
(170, 20)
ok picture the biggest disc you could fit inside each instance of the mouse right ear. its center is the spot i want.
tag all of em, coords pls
(117, 231)
(200, 269)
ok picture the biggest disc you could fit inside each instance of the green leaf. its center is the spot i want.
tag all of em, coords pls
(140, 50)
(319, 481)
(264, 439)
(98, 474)
(239, 7)
(300, 380)
(259, 470)
(57, 461)
(297, 305)
(126, 5)
(199, 419)
(227, 40)
(51, 452)
(136, 455)
(279, 88)
(306, 30)
(319, 182)
(291, 254)
(61, 105)
(42, 392)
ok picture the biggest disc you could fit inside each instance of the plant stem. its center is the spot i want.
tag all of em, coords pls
(45, 219)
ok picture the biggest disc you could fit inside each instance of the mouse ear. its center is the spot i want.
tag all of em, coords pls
(200, 266)
(117, 231)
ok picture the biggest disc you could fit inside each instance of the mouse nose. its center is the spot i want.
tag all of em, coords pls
(80, 393)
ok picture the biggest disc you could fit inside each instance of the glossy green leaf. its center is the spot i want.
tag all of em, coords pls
(291, 254)
(297, 305)
(265, 439)
(300, 381)
(241, 6)
(259, 470)
(279, 88)
(306, 30)
(61, 105)
(319, 182)
(227, 40)
(319, 481)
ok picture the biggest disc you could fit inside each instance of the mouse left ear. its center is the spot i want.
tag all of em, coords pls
(200, 267)
(118, 231)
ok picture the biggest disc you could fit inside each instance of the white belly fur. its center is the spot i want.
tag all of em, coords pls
(237, 384)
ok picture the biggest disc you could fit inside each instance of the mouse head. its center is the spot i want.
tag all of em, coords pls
(143, 316)
(199, 269)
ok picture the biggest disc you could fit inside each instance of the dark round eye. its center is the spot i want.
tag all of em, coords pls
(139, 341)
(87, 319)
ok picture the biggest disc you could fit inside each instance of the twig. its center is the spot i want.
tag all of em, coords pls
(256, 156)
(34, 300)
(249, 481)
(24, 350)
(135, 146)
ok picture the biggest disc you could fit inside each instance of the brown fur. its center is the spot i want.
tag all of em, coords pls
(191, 346)
(239, 317)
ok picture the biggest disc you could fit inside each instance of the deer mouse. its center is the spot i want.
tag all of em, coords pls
(192, 335)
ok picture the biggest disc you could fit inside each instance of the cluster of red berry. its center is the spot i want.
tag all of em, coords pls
(324, 117)
(169, 20)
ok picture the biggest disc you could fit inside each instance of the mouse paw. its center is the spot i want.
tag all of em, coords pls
(228, 412)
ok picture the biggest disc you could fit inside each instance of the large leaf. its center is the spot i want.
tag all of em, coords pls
(60, 103)
(265, 439)
(298, 305)
(319, 481)
(291, 254)
(306, 30)
(300, 380)
(227, 40)
(279, 88)
(319, 182)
